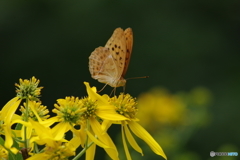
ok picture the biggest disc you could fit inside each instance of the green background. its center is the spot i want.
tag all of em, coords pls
(179, 44)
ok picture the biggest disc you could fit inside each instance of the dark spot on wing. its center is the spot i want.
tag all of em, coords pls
(117, 53)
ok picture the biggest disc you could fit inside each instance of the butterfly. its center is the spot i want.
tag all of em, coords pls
(109, 64)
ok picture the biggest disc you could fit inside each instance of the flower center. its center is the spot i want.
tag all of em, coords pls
(125, 105)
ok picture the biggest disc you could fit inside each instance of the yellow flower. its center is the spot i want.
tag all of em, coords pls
(36, 112)
(126, 106)
(161, 107)
(98, 109)
(88, 113)
(55, 148)
(36, 107)
(28, 89)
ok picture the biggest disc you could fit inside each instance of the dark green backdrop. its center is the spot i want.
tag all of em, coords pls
(179, 44)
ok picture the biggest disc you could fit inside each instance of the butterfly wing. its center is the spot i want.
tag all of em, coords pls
(106, 64)
(129, 44)
(117, 46)
(102, 66)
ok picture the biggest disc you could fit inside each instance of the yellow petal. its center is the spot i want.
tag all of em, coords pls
(95, 140)
(6, 116)
(109, 114)
(90, 153)
(139, 131)
(104, 137)
(82, 134)
(125, 146)
(11, 109)
(45, 134)
(7, 106)
(8, 138)
(49, 121)
(27, 124)
(105, 125)
(38, 156)
(131, 140)
(74, 143)
(60, 129)
(77, 138)
(94, 96)
(31, 105)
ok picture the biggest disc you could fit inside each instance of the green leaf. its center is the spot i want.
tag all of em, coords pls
(18, 126)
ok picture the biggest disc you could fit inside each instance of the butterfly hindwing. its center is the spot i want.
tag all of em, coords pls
(102, 65)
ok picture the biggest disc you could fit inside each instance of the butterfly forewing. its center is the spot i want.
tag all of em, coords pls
(117, 47)
(129, 44)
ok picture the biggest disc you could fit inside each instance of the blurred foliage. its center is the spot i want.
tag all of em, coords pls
(179, 44)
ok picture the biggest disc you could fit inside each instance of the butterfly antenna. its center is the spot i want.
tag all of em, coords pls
(138, 77)
(102, 88)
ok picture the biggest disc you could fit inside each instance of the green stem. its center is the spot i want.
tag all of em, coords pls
(36, 149)
(25, 128)
(86, 144)
(83, 151)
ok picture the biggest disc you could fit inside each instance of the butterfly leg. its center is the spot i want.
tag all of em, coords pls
(102, 88)
(124, 88)
(113, 92)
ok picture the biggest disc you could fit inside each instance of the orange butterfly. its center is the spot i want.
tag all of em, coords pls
(109, 64)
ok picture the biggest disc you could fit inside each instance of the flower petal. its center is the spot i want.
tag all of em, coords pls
(131, 140)
(60, 129)
(139, 131)
(109, 114)
(105, 125)
(90, 153)
(95, 140)
(11, 108)
(104, 137)
(49, 121)
(125, 145)
(93, 95)
(7, 107)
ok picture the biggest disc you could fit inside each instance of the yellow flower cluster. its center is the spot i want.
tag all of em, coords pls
(87, 119)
